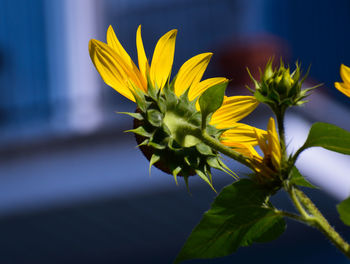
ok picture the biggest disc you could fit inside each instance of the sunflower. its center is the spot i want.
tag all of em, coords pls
(148, 79)
(344, 87)
(270, 164)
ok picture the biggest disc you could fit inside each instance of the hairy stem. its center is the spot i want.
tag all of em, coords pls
(313, 217)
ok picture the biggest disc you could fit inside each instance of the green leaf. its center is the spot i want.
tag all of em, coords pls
(329, 137)
(344, 211)
(238, 217)
(211, 100)
(296, 178)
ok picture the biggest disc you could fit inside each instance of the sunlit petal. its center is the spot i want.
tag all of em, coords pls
(244, 149)
(342, 87)
(114, 43)
(232, 110)
(242, 133)
(163, 57)
(141, 54)
(107, 64)
(191, 72)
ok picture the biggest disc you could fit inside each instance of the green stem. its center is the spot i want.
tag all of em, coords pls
(313, 217)
(297, 204)
(218, 146)
(296, 155)
(281, 132)
(291, 216)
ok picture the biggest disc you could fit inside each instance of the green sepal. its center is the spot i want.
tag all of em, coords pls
(154, 159)
(329, 137)
(173, 145)
(256, 83)
(139, 98)
(170, 97)
(137, 116)
(204, 149)
(344, 211)
(175, 172)
(216, 163)
(211, 100)
(238, 217)
(192, 161)
(155, 145)
(155, 117)
(162, 104)
(151, 90)
(140, 131)
(186, 159)
(143, 143)
(296, 178)
(205, 178)
(261, 98)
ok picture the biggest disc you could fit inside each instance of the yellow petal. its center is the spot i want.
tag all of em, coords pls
(204, 85)
(244, 149)
(261, 139)
(274, 144)
(141, 55)
(191, 72)
(233, 109)
(162, 60)
(109, 66)
(114, 43)
(345, 74)
(242, 133)
(342, 87)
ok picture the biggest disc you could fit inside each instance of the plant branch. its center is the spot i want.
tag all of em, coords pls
(313, 217)
(290, 215)
(322, 224)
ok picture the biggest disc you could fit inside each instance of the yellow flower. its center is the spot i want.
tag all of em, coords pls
(270, 146)
(119, 71)
(344, 87)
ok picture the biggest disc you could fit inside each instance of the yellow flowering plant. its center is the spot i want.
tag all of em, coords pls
(184, 124)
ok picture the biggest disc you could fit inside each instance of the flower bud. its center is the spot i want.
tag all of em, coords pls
(279, 88)
(285, 83)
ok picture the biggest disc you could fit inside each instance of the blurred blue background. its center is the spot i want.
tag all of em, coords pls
(73, 187)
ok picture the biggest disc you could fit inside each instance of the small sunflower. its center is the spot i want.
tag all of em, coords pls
(344, 87)
(162, 106)
(267, 166)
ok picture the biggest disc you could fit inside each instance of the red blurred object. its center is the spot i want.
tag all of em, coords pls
(236, 56)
